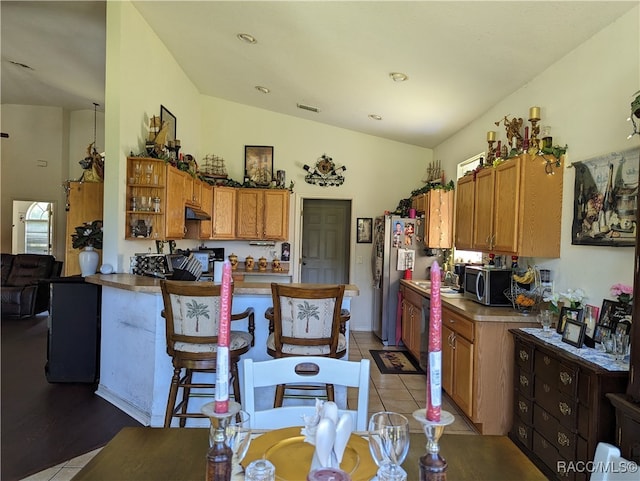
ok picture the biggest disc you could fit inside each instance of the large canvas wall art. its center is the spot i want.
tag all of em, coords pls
(605, 202)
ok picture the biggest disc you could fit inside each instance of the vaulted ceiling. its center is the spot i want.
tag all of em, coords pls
(460, 57)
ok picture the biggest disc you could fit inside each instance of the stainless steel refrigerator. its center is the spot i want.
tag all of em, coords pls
(397, 243)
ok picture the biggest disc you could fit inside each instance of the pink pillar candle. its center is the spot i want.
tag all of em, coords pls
(222, 357)
(434, 371)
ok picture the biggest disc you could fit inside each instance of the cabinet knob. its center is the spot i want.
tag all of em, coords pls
(524, 355)
(523, 406)
(563, 439)
(524, 381)
(566, 378)
(546, 388)
(547, 360)
(522, 432)
(565, 409)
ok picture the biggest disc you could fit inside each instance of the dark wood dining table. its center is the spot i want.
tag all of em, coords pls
(175, 454)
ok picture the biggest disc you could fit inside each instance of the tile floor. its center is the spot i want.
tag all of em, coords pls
(400, 393)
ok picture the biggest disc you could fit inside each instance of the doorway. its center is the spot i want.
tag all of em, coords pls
(326, 239)
(32, 231)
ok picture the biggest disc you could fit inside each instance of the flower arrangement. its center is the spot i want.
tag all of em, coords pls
(573, 297)
(88, 234)
(623, 292)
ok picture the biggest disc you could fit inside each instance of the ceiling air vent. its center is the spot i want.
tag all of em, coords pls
(308, 107)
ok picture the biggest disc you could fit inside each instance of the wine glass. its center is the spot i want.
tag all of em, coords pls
(388, 438)
(545, 319)
(238, 437)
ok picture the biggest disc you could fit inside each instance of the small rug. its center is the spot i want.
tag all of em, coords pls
(395, 362)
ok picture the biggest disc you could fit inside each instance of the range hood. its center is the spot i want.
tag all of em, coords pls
(193, 213)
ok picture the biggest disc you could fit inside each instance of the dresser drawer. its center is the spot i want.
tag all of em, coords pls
(545, 424)
(524, 409)
(459, 324)
(546, 394)
(523, 433)
(524, 382)
(549, 455)
(524, 355)
(568, 379)
(566, 411)
(566, 442)
(546, 366)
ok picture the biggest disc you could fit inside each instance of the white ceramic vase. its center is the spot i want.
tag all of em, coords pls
(88, 259)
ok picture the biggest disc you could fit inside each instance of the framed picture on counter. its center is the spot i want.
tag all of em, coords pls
(573, 332)
(613, 312)
(568, 313)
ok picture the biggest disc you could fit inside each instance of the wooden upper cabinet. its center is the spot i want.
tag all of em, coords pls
(223, 216)
(206, 204)
(262, 214)
(418, 202)
(517, 209)
(276, 214)
(464, 213)
(438, 219)
(177, 184)
(483, 210)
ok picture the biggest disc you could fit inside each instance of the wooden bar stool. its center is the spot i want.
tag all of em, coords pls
(306, 322)
(192, 314)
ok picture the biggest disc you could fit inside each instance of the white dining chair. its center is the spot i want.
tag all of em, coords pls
(291, 370)
(609, 465)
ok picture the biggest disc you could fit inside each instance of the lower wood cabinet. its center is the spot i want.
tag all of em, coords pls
(560, 409)
(412, 323)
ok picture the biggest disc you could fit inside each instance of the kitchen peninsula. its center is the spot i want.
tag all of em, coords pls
(135, 369)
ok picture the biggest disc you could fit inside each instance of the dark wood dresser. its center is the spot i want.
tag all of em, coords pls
(560, 408)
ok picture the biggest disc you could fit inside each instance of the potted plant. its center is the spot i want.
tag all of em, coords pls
(88, 237)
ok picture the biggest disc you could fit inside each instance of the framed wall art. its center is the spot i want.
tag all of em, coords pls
(364, 230)
(568, 314)
(574, 332)
(166, 116)
(605, 200)
(258, 164)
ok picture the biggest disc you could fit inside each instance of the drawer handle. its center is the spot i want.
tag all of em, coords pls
(546, 388)
(547, 360)
(522, 406)
(524, 356)
(564, 408)
(563, 439)
(545, 416)
(523, 380)
(544, 444)
(522, 432)
(566, 378)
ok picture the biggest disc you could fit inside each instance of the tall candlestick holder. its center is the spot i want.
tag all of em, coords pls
(491, 155)
(433, 467)
(534, 143)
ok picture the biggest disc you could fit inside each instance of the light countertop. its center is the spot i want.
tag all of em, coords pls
(132, 282)
(469, 308)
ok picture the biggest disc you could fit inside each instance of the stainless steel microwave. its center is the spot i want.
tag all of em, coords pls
(486, 285)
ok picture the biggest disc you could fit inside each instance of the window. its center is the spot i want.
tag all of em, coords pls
(470, 164)
(37, 228)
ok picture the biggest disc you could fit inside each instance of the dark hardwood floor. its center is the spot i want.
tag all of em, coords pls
(44, 424)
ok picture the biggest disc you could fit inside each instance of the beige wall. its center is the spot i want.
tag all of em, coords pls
(585, 99)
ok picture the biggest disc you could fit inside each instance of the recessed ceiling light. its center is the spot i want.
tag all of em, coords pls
(398, 76)
(245, 37)
(262, 89)
(375, 117)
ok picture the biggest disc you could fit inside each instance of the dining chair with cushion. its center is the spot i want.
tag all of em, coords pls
(306, 322)
(609, 465)
(258, 375)
(192, 314)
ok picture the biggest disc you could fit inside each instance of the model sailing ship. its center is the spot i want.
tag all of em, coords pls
(157, 137)
(213, 167)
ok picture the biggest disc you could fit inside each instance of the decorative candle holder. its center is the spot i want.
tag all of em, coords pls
(534, 143)
(491, 156)
(219, 420)
(433, 467)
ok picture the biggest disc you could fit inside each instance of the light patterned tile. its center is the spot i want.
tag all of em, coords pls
(45, 475)
(399, 406)
(399, 394)
(82, 460)
(66, 474)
